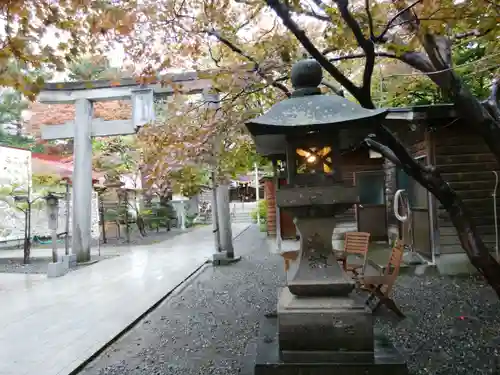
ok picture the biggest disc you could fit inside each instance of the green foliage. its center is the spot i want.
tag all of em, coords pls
(88, 68)
(262, 210)
(189, 180)
(12, 104)
(116, 156)
(47, 181)
(408, 90)
(19, 141)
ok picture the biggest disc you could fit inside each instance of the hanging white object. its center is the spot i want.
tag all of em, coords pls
(397, 198)
(142, 107)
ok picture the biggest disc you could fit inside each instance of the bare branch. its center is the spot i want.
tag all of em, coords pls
(401, 12)
(313, 14)
(336, 90)
(257, 67)
(476, 33)
(367, 45)
(370, 19)
(283, 12)
(362, 55)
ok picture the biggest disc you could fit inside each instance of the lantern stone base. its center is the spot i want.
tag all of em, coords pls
(56, 269)
(329, 324)
(68, 260)
(323, 335)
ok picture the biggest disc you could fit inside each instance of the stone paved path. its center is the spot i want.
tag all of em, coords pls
(51, 326)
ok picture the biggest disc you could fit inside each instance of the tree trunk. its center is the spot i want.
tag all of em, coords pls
(475, 248)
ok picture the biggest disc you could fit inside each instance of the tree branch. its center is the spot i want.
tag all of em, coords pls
(283, 12)
(312, 14)
(336, 90)
(383, 150)
(493, 102)
(394, 18)
(370, 19)
(362, 55)
(368, 47)
(476, 33)
(257, 67)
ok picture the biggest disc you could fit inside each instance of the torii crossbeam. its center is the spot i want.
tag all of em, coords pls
(83, 95)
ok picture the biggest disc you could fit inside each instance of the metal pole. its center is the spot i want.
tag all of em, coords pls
(215, 216)
(126, 217)
(103, 224)
(66, 239)
(257, 192)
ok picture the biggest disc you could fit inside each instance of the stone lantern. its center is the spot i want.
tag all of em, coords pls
(322, 326)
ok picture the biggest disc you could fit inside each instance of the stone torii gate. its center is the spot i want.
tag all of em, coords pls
(83, 95)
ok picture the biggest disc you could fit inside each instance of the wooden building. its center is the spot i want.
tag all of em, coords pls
(434, 135)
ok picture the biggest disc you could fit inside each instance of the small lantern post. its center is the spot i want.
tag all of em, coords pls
(56, 268)
(321, 327)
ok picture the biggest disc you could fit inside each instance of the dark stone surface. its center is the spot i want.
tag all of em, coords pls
(386, 359)
(306, 73)
(317, 272)
(324, 324)
(335, 198)
(320, 288)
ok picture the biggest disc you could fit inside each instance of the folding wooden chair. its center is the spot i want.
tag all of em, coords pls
(289, 256)
(380, 287)
(355, 243)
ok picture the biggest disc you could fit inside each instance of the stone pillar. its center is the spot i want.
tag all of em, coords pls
(82, 181)
(224, 213)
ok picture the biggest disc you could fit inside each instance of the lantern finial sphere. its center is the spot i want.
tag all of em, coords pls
(306, 74)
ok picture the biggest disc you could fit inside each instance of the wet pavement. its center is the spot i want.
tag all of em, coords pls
(51, 326)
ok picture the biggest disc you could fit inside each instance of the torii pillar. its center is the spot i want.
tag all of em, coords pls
(82, 130)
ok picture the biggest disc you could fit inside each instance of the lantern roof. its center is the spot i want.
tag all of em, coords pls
(308, 109)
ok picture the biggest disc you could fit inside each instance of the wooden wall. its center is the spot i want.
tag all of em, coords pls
(357, 161)
(466, 163)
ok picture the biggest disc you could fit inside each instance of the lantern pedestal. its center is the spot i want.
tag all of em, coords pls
(322, 327)
(56, 269)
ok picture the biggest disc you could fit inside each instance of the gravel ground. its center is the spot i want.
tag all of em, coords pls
(453, 324)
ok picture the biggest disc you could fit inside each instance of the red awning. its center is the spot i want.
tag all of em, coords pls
(55, 165)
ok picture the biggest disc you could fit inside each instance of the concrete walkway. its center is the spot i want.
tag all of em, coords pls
(51, 326)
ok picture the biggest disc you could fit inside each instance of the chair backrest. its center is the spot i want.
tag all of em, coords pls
(357, 242)
(393, 265)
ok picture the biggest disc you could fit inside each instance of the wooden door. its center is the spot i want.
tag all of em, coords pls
(371, 213)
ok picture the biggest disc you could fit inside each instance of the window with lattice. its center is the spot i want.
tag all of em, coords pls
(314, 160)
